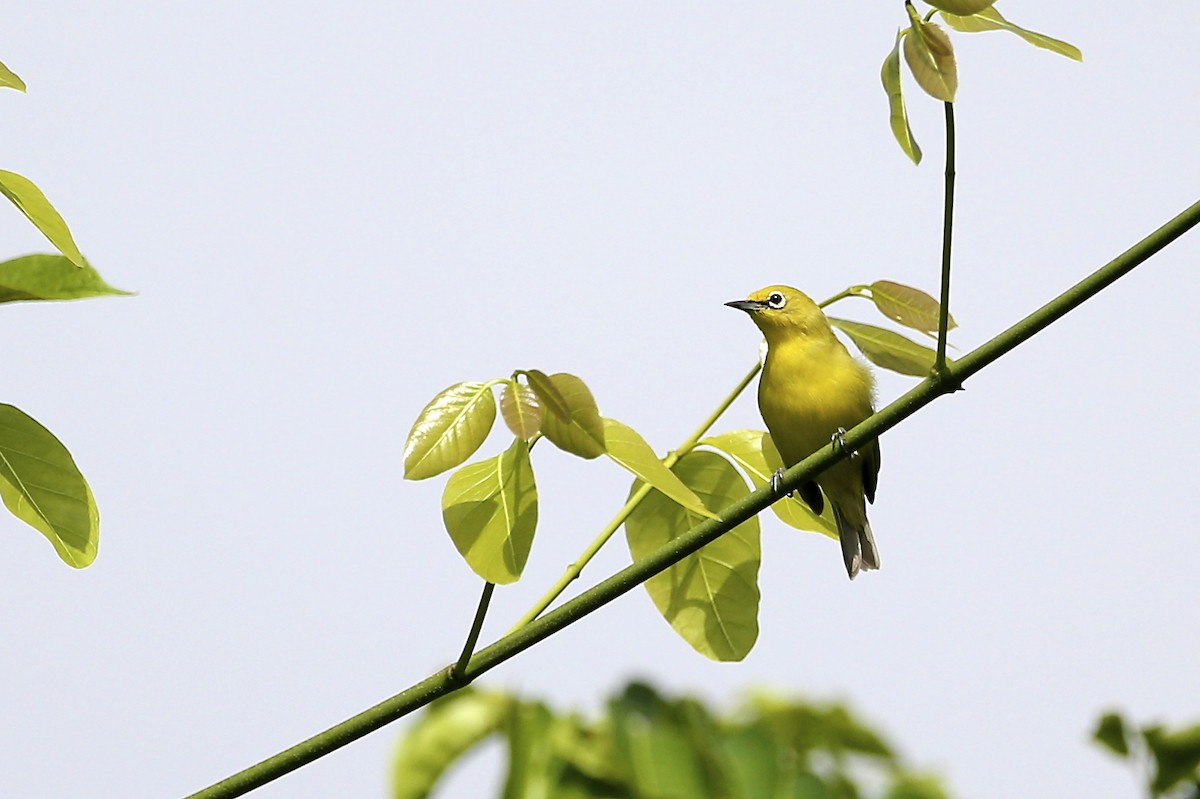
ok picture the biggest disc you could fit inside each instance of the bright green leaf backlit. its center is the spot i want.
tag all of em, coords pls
(449, 430)
(991, 20)
(890, 75)
(31, 202)
(909, 306)
(710, 597)
(50, 277)
(578, 430)
(627, 447)
(42, 486)
(888, 349)
(961, 6)
(490, 510)
(521, 410)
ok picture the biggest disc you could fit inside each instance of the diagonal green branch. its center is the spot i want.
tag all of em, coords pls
(629, 578)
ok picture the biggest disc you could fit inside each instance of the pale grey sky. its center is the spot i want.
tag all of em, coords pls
(331, 214)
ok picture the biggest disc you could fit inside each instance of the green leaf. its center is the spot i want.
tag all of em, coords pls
(887, 349)
(961, 6)
(909, 306)
(991, 20)
(521, 410)
(42, 486)
(629, 449)
(710, 597)
(1110, 732)
(890, 74)
(548, 394)
(755, 452)
(490, 511)
(30, 201)
(452, 726)
(930, 57)
(10, 80)
(1176, 756)
(581, 432)
(917, 786)
(449, 430)
(51, 277)
(656, 747)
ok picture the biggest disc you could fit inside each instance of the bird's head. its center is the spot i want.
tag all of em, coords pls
(781, 311)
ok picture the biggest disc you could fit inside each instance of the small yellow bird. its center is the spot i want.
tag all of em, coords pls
(812, 391)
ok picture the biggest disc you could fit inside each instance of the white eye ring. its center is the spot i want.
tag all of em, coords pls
(776, 300)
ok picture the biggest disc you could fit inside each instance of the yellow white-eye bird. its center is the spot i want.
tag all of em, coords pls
(812, 391)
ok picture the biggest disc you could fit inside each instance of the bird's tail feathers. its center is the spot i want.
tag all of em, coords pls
(858, 545)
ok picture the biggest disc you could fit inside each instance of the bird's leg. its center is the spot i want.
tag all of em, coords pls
(839, 440)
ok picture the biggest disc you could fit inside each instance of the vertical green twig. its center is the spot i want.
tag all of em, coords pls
(459, 670)
(939, 365)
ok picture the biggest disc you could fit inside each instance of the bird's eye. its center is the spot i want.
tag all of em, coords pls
(776, 300)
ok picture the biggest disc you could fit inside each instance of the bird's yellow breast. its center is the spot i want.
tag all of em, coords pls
(810, 387)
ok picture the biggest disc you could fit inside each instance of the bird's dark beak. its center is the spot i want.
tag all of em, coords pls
(749, 306)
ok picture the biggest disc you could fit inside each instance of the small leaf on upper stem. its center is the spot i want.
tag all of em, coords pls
(449, 429)
(490, 510)
(50, 277)
(42, 486)
(29, 199)
(521, 410)
(961, 6)
(626, 446)
(909, 306)
(10, 79)
(888, 349)
(930, 57)
(710, 597)
(582, 433)
(991, 20)
(890, 75)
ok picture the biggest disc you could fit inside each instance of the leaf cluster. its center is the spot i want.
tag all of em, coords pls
(39, 481)
(710, 598)
(648, 746)
(1170, 757)
(929, 53)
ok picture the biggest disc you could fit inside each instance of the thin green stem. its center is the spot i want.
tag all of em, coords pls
(576, 568)
(707, 531)
(939, 365)
(459, 670)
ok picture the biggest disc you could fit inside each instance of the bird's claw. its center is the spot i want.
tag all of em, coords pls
(777, 482)
(838, 439)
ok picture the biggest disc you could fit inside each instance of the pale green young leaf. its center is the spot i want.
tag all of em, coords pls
(547, 394)
(961, 6)
(30, 201)
(449, 430)
(890, 74)
(51, 277)
(909, 306)
(521, 410)
(490, 510)
(42, 486)
(755, 452)
(627, 447)
(582, 432)
(710, 597)
(10, 79)
(888, 349)
(991, 20)
(930, 57)
(451, 727)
